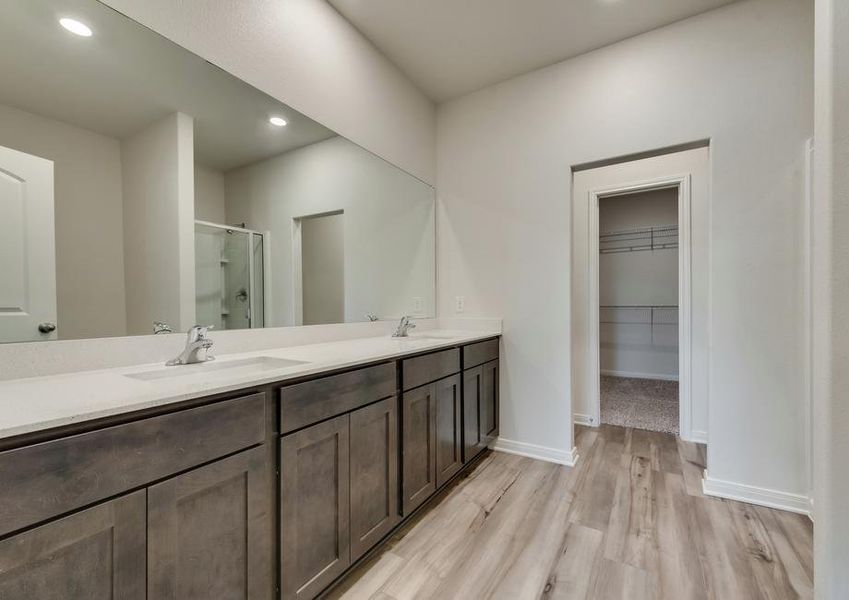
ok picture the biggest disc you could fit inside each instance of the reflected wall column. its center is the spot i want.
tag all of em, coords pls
(157, 167)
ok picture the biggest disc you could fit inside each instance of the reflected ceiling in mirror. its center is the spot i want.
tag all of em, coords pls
(143, 189)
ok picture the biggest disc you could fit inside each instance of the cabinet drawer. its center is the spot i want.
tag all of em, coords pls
(313, 401)
(430, 367)
(48, 479)
(477, 354)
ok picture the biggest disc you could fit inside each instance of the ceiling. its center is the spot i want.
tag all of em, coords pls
(449, 48)
(126, 77)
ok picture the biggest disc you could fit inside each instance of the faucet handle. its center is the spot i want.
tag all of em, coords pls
(198, 332)
(161, 327)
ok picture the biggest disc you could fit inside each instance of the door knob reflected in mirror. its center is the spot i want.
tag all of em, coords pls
(47, 327)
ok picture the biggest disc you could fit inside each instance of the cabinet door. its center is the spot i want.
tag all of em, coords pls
(449, 432)
(96, 554)
(209, 532)
(419, 446)
(473, 443)
(489, 402)
(314, 508)
(374, 474)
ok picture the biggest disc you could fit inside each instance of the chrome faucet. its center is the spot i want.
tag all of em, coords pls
(404, 327)
(197, 348)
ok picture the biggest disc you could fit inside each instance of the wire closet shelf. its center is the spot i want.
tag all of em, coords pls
(664, 237)
(639, 314)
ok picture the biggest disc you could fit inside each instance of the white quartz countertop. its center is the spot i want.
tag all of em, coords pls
(39, 403)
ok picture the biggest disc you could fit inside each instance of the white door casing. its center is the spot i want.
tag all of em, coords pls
(687, 170)
(27, 247)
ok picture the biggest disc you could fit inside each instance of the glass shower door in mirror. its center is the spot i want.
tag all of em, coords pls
(229, 274)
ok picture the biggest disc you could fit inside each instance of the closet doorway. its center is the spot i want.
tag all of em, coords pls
(640, 293)
(319, 268)
(638, 309)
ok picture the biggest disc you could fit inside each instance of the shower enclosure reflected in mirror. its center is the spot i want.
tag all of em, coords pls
(229, 276)
(141, 184)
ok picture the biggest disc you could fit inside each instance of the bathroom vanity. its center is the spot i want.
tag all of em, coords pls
(270, 490)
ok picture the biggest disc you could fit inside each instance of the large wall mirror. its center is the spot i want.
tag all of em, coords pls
(144, 189)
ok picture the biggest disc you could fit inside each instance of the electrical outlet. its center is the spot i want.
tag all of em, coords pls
(459, 304)
(418, 305)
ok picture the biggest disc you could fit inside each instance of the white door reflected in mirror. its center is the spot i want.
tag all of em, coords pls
(27, 256)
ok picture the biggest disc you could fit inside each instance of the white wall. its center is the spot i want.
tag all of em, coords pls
(389, 254)
(631, 344)
(158, 185)
(209, 195)
(88, 213)
(305, 54)
(831, 290)
(741, 76)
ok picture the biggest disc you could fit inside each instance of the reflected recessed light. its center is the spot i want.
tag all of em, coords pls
(76, 27)
(277, 121)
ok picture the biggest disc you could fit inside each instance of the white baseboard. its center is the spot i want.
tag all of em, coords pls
(633, 375)
(587, 420)
(796, 503)
(699, 437)
(561, 457)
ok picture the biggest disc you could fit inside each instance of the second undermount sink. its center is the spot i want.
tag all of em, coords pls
(242, 366)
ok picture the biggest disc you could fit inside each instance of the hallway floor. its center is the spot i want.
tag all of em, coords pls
(629, 521)
(649, 404)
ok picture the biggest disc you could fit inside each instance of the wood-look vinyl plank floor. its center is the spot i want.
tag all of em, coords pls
(628, 521)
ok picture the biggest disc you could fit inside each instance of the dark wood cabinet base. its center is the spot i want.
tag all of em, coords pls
(407, 521)
(183, 502)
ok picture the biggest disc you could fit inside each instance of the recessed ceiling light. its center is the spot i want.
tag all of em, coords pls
(277, 121)
(75, 27)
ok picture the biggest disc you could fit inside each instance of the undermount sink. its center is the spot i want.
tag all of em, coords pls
(241, 366)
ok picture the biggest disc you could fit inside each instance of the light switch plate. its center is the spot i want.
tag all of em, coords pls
(418, 305)
(459, 304)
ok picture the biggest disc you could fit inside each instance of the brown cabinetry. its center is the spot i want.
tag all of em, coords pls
(209, 532)
(314, 507)
(56, 477)
(473, 442)
(200, 534)
(418, 436)
(338, 495)
(480, 397)
(96, 554)
(489, 402)
(431, 439)
(449, 432)
(374, 474)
